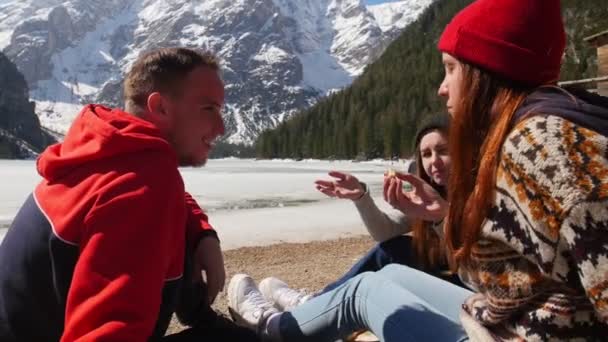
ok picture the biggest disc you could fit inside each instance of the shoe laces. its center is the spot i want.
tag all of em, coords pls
(290, 297)
(258, 303)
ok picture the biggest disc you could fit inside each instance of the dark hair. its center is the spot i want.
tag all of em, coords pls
(434, 122)
(428, 246)
(162, 70)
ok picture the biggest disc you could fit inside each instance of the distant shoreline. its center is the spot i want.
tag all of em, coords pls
(304, 160)
(249, 203)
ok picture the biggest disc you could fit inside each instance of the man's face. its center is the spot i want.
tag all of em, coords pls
(195, 116)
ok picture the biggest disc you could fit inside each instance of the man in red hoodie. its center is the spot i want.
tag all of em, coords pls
(109, 243)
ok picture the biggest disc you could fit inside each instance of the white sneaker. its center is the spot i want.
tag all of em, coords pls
(247, 305)
(283, 297)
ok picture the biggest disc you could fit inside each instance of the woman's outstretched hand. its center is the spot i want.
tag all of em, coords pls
(344, 185)
(422, 202)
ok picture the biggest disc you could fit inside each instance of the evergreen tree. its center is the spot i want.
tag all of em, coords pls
(379, 113)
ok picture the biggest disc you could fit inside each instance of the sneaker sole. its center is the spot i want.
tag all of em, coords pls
(232, 299)
(263, 287)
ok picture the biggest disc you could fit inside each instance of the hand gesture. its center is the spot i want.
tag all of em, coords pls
(422, 202)
(344, 186)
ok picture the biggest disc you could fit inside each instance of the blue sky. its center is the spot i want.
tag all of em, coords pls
(373, 2)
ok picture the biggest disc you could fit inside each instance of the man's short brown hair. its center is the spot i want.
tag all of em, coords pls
(162, 70)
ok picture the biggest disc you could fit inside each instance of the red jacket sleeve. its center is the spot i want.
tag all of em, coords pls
(126, 255)
(197, 224)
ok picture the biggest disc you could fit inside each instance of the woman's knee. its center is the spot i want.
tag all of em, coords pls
(367, 282)
(393, 269)
(401, 274)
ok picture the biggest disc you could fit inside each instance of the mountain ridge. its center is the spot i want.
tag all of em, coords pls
(378, 114)
(278, 55)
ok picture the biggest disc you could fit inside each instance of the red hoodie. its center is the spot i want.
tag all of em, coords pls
(107, 227)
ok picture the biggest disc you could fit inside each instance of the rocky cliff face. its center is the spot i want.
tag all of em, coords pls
(278, 55)
(20, 133)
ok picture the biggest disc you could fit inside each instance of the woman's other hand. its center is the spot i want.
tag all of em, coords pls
(344, 185)
(422, 202)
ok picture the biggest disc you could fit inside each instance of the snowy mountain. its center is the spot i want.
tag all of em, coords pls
(278, 56)
(395, 16)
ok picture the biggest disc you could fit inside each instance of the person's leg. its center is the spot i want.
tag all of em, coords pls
(424, 286)
(396, 250)
(444, 274)
(223, 330)
(375, 302)
(204, 323)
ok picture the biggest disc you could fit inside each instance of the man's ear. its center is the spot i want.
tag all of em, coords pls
(155, 104)
(158, 112)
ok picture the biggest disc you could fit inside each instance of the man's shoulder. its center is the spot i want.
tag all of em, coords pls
(146, 163)
(146, 171)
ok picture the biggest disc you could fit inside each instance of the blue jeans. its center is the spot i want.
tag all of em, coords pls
(398, 250)
(397, 303)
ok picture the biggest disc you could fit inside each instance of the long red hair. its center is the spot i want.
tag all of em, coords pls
(479, 126)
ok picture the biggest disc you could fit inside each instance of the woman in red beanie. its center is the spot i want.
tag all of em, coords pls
(527, 226)
(528, 219)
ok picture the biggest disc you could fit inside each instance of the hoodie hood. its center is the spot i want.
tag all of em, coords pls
(100, 133)
(573, 104)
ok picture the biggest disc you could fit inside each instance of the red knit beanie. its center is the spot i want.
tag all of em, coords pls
(520, 40)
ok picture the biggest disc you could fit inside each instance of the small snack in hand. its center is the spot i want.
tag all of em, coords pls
(407, 187)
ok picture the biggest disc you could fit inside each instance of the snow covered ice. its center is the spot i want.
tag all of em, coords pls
(250, 203)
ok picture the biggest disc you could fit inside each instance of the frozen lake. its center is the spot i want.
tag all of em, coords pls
(249, 202)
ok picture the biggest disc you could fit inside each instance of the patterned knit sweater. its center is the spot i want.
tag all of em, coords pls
(541, 266)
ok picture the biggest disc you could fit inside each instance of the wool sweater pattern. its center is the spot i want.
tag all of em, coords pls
(541, 265)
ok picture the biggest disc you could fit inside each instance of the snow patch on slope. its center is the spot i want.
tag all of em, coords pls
(397, 14)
